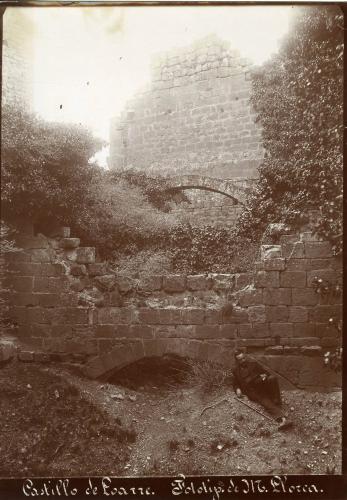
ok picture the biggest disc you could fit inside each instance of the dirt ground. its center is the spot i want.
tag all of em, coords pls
(146, 422)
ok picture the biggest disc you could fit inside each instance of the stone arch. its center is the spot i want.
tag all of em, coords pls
(123, 355)
(236, 189)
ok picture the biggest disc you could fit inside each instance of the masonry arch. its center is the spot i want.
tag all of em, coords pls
(235, 189)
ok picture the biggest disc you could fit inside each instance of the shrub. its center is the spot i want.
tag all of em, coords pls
(298, 96)
(207, 375)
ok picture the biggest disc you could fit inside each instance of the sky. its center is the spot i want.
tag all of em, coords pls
(88, 61)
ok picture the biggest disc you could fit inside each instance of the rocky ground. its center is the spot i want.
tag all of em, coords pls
(152, 419)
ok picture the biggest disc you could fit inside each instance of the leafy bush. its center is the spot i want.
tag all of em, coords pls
(298, 96)
(6, 246)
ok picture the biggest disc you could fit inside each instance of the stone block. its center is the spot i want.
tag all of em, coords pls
(291, 350)
(105, 331)
(223, 281)
(192, 316)
(313, 264)
(245, 330)
(305, 341)
(277, 296)
(277, 314)
(31, 242)
(326, 330)
(270, 252)
(267, 279)
(294, 250)
(293, 279)
(257, 314)
(239, 315)
(23, 268)
(304, 297)
(275, 264)
(41, 357)
(213, 316)
(47, 299)
(78, 270)
(207, 331)
(249, 296)
(7, 350)
(26, 356)
(94, 368)
(150, 283)
(304, 330)
(228, 331)
(85, 255)
(298, 314)
(322, 313)
(106, 283)
(318, 249)
(313, 350)
(125, 284)
(141, 331)
(39, 255)
(18, 256)
(60, 232)
(275, 350)
(281, 329)
(243, 280)
(198, 282)
(22, 283)
(329, 275)
(174, 283)
(116, 315)
(24, 299)
(148, 316)
(329, 342)
(297, 264)
(97, 268)
(18, 314)
(308, 236)
(115, 299)
(70, 243)
(72, 316)
(137, 350)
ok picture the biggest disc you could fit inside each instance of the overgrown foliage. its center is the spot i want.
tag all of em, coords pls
(298, 96)
(6, 246)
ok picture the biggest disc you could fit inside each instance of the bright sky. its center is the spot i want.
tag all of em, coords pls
(91, 60)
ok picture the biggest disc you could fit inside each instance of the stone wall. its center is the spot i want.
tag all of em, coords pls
(195, 116)
(17, 58)
(67, 305)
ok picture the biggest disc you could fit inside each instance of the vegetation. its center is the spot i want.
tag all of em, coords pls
(298, 96)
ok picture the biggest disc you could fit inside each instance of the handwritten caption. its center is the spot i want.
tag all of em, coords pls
(180, 486)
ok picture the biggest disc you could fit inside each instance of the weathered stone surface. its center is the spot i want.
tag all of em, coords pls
(297, 264)
(31, 242)
(304, 297)
(115, 299)
(314, 350)
(70, 243)
(294, 250)
(62, 232)
(48, 299)
(115, 315)
(298, 314)
(281, 329)
(278, 349)
(257, 314)
(293, 279)
(85, 255)
(270, 252)
(41, 357)
(18, 256)
(198, 282)
(150, 283)
(78, 270)
(38, 255)
(304, 330)
(329, 275)
(267, 279)
(277, 314)
(7, 350)
(107, 282)
(174, 283)
(97, 269)
(26, 356)
(243, 280)
(249, 296)
(277, 296)
(22, 283)
(223, 281)
(274, 264)
(318, 249)
(24, 299)
(322, 313)
(125, 284)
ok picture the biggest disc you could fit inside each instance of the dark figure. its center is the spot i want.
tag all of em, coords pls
(259, 385)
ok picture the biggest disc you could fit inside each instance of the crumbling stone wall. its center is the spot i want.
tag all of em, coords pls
(195, 115)
(67, 305)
